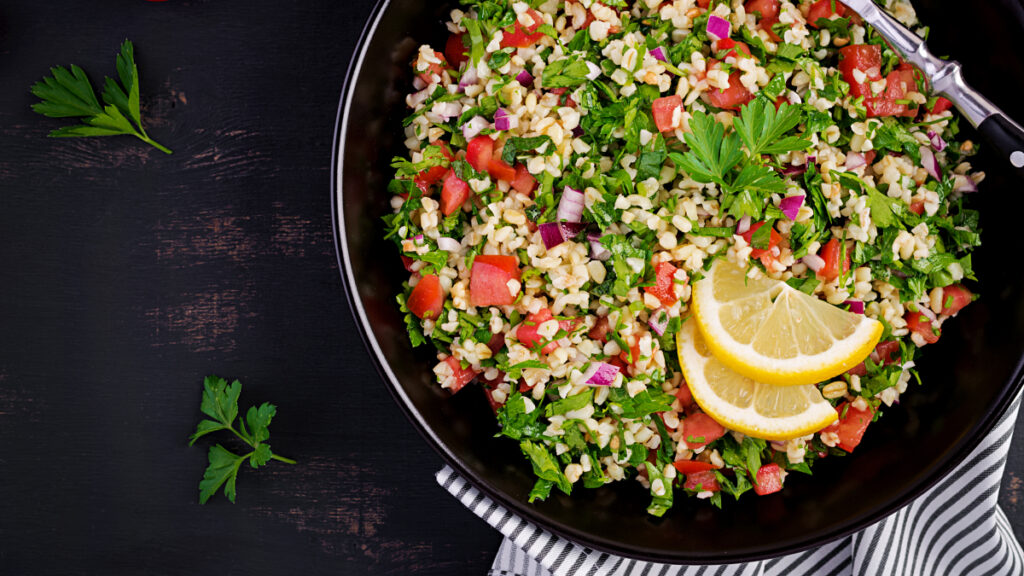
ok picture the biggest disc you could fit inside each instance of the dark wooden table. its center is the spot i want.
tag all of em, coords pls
(127, 275)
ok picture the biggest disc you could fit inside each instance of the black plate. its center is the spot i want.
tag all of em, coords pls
(969, 377)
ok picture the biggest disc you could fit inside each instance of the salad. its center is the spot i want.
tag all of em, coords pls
(693, 244)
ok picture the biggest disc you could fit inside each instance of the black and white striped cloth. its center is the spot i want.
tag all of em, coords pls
(956, 528)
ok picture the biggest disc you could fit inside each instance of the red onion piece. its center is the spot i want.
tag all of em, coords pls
(501, 120)
(577, 132)
(447, 110)
(812, 159)
(554, 233)
(937, 142)
(856, 306)
(525, 79)
(964, 183)
(598, 251)
(418, 83)
(448, 244)
(473, 128)
(778, 446)
(658, 321)
(855, 160)
(594, 71)
(718, 28)
(793, 170)
(659, 54)
(931, 165)
(743, 225)
(570, 207)
(600, 374)
(790, 206)
(418, 98)
(814, 262)
(469, 78)
(927, 312)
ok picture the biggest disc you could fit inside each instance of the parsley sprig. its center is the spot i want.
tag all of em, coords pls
(718, 157)
(68, 94)
(220, 402)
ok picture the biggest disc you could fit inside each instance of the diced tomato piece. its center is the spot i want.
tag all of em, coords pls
(495, 405)
(917, 207)
(663, 109)
(684, 395)
(921, 325)
(524, 182)
(497, 342)
(897, 84)
(769, 479)
(454, 193)
(499, 170)
(823, 9)
(460, 376)
(882, 354)
(774, 239)
(954, 298)
(600, 329)
(687, 467)
(433, 68)
(733, 97)
(850, 428)
(864, 57)
(831, 253)
(479, 152)
(455, 51)
(941, 105)
(664, 288)
(769, 11)
(703, 481)
(527, 332)
(523, 386)
(564, 99)
(702, 3)
(524, 37)
(630, 357)
(488, 282)
(702, 429)
(732, 48)
(407, 262)
(427, 298)
(869, 156)
(424, 180)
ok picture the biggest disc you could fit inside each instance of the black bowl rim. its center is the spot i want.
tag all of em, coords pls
(946, 464)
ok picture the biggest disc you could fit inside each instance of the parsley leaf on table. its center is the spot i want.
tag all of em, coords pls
(68, 94)
(220, 402)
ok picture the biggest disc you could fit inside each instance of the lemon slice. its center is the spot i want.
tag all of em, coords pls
(773, 333)
(737, 402)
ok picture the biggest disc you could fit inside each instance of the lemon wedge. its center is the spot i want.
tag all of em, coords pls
(773, 333)
(737, 402)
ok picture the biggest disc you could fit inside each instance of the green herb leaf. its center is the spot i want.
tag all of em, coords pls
(544, 465)
(762, 127)
(222, 471)
(515, 146)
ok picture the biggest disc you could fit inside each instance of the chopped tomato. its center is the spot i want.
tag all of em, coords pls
(455, 51)
(632, 355)
(702, 481)
(460, 376)
(897, 84)
(454, 193)
(769, 11)
(523, 386)
(921, 325)
(427, 298)
(869, 156)
(600, 329)
(663, 109)
(424, 180)
(524, 182)
(703, 3)
(699, 430)
(687, 467)
(499, 170)
(495, 405)
(769, 479)
(731, 98)
(941, 105)
(563, 97)
(732, 48)
(433, 68)
(527, 332)
(882, 354)
(917, 207)
(864, 57)
(684, 395)
(831, 253)
(954, 298)
(851, 426)
(488, 282)
(824, 9)
(664, 288)
(407, 262)
(524, 36)
(479, 152)
(774, 238)
(497, 342)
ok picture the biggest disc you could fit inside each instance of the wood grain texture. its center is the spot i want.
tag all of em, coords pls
(127, 275)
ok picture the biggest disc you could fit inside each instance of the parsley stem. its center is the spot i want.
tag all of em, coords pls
(282, 459)
(153, 143)
(253, 445)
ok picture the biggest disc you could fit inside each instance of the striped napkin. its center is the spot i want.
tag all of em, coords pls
(956, 528)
